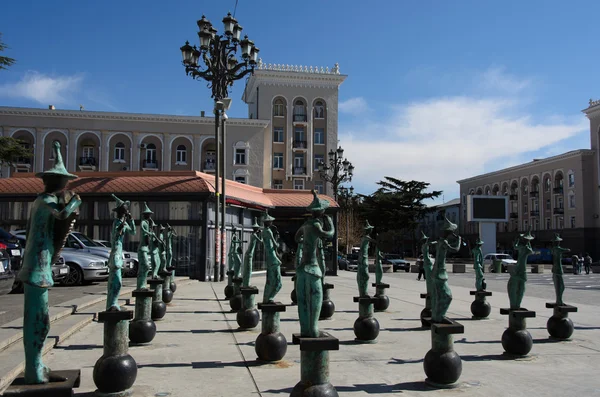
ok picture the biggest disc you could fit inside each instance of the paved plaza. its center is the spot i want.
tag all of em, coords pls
(199, 351)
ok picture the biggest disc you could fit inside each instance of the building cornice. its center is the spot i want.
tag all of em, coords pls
(532, 164)
(592, 111)
(136, 117)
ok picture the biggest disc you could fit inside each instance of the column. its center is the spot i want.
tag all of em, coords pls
(135, 151)
(103, 151)
(166, 153)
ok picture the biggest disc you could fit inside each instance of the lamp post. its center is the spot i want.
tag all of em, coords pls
(347, 195)
(336, 171)
(221, 68)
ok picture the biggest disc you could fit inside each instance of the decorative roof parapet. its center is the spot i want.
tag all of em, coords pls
(594, 103)
(298, 68)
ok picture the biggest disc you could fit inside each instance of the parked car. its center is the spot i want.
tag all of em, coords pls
(506, 259)
(82, 267)
(79, 242)
(397, 261)
(13, 247)
(343, 262)
(7, 276)
(60, 270)
(352, 262)
(104, 243)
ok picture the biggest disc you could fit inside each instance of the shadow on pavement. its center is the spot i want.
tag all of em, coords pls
(199, 331)
(475, 342)
(205, 364)
(490, 357)
(199, 299)
(401, 361)
(369, 388)
(405, 329)
(201, 312)
(79, 347)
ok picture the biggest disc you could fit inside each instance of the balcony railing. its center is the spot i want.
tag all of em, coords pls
(23, 161)
(534, 213)
(300, 145)
(558, 190)
(150, 164)
(89, 161)
(534, 193)
(300, 118)
(299, 171)
(209, 166)
(513, 197)
(559, 210)
(514, 215)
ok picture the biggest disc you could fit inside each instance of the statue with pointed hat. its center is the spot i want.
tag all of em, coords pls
(171, 233)
(309, 274)
(273, 285)
(427, 262)
(362, 272)
(518, 275)
(52, 217)
(255, 239)
(156, 246)
(147, 235)
(162, 235)
(122, 225)
(557, 269)
(378, 264)
(441, 294)
(478, 264)
(235, 253)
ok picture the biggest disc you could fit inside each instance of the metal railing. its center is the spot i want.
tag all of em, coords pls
(91, 161)
(150, 164)
(299, 171)
(300, 117)
(300, 145)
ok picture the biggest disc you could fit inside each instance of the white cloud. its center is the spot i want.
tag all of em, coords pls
(443, 140)
(43, 88)
(356, 105)
(496, 79)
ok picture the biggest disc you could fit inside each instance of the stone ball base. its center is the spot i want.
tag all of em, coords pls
(425, 313)
(327, 310)
(480, 309)
(270, 347)
(142, 331)
(159, 309)
(560, 328)
(517, 342)
(114, 374)
(294, 297)
(235, 303)
(167, 295)
(248, 319)
(173, 287)
(382, 303)
(228, 291)
(366, 328)
(443, 368)
(308, 390)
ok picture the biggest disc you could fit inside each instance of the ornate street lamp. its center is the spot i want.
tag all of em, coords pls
(347, 199)
(336, 171)
(221, 68)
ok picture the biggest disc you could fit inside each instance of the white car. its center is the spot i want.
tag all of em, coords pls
(506, 259)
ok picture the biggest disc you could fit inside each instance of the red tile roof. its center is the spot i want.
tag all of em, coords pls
(174, 182)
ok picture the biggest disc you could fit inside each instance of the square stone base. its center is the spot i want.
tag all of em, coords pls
(50, 389)
(324, 342)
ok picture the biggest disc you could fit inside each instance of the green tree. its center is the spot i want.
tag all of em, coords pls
(396, 208)
(5, 62)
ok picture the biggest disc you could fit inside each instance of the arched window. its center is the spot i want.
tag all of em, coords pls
(241, 175)
(571, 200)
(240, 153)
(319, 110)
(119, 153)
(181, 155)
(150, 156)
(571, 178)
(278, 108)
(299, 111)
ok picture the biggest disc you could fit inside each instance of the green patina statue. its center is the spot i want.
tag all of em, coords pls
(249, 255)
(162, 248)
(52, 217)
(144, 248)
(518, 276)
(122, 225)
(308, 274)
(273, 284)
(156, 245)
(441, 295)
(362, 273)
(378, 265)
(427, 263)
(171, 233)
(557, 269)
(478, 264)
(235, 253)
(321, 259)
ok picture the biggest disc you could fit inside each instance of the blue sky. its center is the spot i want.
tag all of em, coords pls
(436, 90)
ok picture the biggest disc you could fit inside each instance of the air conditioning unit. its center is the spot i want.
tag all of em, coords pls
(125, 168)
(142, 146)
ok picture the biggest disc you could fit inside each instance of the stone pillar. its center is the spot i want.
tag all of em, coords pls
(135, 151)
(166, 153)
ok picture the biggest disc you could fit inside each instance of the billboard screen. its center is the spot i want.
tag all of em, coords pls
(487, 208)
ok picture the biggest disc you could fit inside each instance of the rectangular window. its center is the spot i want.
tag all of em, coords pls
(548, 204)
(560, 222)
(319, 158)
(88, 152)
(119, 153)
(240, 156)
(277, 184)
(278, 110)
(319, 136)
(181, 156)
(240, 179)
(572, 222)
(298, 184)
(536, 224)
(299, 160)
(571, 201)
(559, 202)
(299, 134)
(278, 160)
(535, 206)
(319, 187)
(278, 135)
(548, 224)
(525, 207)
(571, 180)
(525, 225)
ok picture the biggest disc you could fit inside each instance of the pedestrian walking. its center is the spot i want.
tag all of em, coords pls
(587, 262)
(420, 263)
(575, 263)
